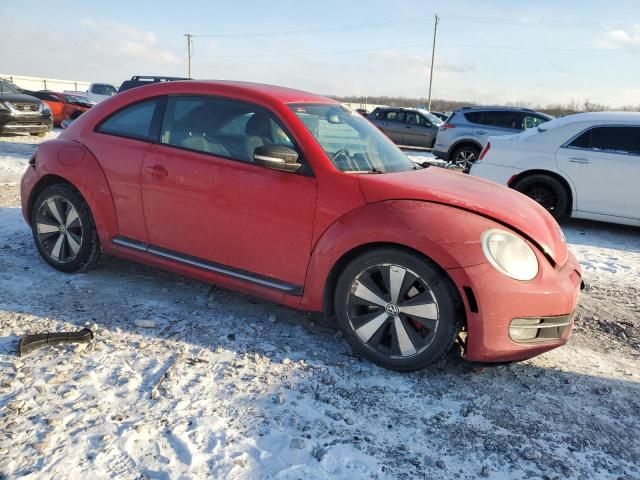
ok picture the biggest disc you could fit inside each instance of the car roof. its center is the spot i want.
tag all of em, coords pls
(495, 108)
(595, 118)
(282, 94)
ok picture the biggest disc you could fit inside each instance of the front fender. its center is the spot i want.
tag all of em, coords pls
(447, 235)
(76, 164)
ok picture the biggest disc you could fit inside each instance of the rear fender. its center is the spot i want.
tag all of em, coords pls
(76, 164)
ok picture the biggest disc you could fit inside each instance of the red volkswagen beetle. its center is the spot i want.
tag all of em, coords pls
(294, 198)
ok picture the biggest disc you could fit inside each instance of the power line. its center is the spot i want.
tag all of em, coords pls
(522, 21)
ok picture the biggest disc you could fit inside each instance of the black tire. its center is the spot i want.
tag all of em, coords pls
(547, 191)
(74, 246)
(422, 284)
(465, 156)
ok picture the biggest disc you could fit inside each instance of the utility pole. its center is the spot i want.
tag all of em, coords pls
(433, 57)
(189, 41)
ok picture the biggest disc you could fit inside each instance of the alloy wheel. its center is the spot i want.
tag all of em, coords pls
(392, 311)
(466, 158)
(59, 229)
(545, 195)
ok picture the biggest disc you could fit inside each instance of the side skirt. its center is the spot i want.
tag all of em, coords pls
(177, 257)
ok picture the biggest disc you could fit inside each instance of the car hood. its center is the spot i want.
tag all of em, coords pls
(18, 98)
(501, 204)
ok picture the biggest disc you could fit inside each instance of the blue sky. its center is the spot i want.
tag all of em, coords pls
(490, 51)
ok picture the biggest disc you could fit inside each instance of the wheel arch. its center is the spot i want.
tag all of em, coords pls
(45, 181)
(462, 142)
(567, 185)
(64, 161)
(339, 266)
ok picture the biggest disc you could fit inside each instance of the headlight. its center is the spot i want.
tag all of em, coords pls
(509, 254)
(46, 108)
(3, 106)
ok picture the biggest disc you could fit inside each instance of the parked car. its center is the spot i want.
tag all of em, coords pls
(461, 138)
(97, 92)
(63, 106)
(20, 113)
(141, 80)
(406, 126)
(294, 198)
(584, 166)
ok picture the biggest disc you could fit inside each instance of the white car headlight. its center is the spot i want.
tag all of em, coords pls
(46, 108)
(509, 254)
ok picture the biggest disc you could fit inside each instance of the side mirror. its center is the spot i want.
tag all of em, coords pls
(277, 157)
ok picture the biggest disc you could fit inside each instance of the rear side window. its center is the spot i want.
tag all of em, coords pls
(610, 139)
(134, 121)
(505, 119)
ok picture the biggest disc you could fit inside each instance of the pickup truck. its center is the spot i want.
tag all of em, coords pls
(96, 92)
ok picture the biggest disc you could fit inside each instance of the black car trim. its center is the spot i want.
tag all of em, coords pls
(261, 280)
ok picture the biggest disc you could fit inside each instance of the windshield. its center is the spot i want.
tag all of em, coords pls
(352, 143)
(7, 88)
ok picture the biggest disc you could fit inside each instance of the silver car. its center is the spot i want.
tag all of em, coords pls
(464, 134)
(412, 127)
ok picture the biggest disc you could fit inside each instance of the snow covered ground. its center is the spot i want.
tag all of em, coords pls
(185, 380)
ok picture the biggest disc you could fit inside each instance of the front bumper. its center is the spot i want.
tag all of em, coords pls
(552, 295)
(27, 123)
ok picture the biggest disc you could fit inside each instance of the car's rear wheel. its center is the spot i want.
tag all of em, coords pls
(64, 230)
(465, 156)
(547, 191)
(397, 309)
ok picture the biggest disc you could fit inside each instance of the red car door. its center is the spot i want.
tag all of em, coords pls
(120, 143)
(205, 201)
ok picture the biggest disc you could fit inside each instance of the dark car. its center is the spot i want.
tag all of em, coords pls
(141, 80)
(407, 126)
(20, 113)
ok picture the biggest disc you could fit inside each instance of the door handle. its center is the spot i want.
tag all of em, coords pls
(157, 171)
(480, 132)
(408, 126)
(579, 160)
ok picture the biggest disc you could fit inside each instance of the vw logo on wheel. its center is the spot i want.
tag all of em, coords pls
(392, 309)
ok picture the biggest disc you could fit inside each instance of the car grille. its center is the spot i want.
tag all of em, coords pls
(26, 107)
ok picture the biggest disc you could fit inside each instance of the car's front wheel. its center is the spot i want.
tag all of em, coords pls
(397, 309)
(64, 230)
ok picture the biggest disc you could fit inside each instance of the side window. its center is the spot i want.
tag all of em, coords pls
(473, 117)
(102, 89)
(610, 139)
(511, 120)
(391, 116)
(583, 141)
(401, 117)
(616, 139)
(424, 122)
(220, 127)
(133, 121)
(413, 118)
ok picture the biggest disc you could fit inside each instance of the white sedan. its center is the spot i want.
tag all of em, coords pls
(584, 166)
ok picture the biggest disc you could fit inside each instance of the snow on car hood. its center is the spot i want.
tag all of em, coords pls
(501, 204)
